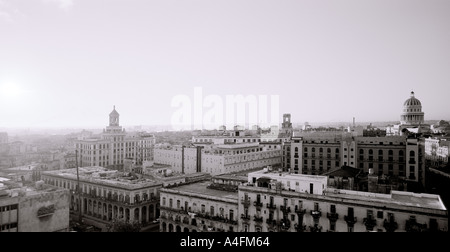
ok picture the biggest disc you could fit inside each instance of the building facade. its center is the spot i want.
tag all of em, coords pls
(114, 146)
(197, 208)
(288, 209)
(219, 159)
(108, 194)
(38, 208)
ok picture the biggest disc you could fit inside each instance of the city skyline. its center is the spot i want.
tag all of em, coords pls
(66, 63)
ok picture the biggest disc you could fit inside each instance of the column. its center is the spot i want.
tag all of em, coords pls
(148, 213)
(140, 214)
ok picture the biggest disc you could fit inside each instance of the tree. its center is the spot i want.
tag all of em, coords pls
(121, 226)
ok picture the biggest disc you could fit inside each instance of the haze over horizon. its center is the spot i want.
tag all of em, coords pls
(66, 63)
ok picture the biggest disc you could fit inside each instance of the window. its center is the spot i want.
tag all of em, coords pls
(333, 209)
(350, 212)
(178, 204)
(380, 214)
(212, 211)
(316, 206)
(203, 209)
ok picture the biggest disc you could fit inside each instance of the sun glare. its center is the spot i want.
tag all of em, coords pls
(10, 90)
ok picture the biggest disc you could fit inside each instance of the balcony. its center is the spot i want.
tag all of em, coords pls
(351, 220)
(316, 214)
(300, 228)
(271, 222)
(333, 216)
(245, 217)
(390, 225)
(412, 226)
(300, 211)
(258, 219)
(285, 225)
(246, 202)
(271, 206)
(285, 209)
(411, 161)
(370, 223)
(257, 204)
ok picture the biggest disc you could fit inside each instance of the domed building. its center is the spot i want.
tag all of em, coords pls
(411, 120)
(412, 112)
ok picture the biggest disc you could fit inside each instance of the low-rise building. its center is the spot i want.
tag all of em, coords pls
(198, 208)
(33, 208)
(108, 194)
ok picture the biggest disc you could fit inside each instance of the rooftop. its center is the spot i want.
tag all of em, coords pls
(420, 200)
(200, 190)
(101, 175)
(344, 171)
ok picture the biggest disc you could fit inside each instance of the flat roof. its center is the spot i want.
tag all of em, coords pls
(201, 189)
(275, 174)
(420, 200)
(107, 177)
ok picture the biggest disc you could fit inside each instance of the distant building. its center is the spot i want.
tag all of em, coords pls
(114, 146)
(3, 138)
(108, 194)
(37, 208)
(437, 150)
(411, 120)
(220, 158)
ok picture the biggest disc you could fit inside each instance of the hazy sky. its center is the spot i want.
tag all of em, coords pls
(67, 62)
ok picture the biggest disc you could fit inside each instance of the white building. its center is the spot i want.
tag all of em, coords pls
(219, 159)
(114, 146)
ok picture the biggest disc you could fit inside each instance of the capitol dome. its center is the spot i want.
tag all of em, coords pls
(413, 101)
(412, 111)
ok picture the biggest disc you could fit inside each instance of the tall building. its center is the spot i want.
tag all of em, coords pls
(114, 146)
(220, 158)
(286, 126)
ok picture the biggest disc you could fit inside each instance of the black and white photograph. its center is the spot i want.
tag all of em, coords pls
(224, 121)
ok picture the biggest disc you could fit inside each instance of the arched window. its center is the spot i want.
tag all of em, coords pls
(391, 152)
(361, 151)
(313, 149)
(296, 150)
(321, 150)
(329, 150)
(306, 149)
(400, 153)
(337, 150)
(380, 152)
(412, 153)
(370, 152)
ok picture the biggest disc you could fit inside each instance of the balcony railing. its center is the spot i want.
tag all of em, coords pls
(390, 225)
(333, 216)
(300, 228)
(258, 219)
(285, 209)
(271, 222)
(271, 206)
(412, 226)
(316, 214)
(245, 217)
(370, 223)
(285, 225)
(351, 220)
(300, 211)
(246, 202)
(257, 204)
